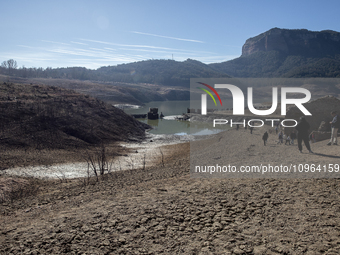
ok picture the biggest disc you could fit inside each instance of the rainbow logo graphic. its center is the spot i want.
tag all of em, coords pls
(213, 90)
(204, 97)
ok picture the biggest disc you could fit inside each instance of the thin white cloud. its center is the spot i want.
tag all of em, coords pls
(96, 41)
(131, 45)
(168, 37)
(126, 45)
(79, 43)
(96, 53)
(161, 51)
(55, 42)
(28, 57)
(25, 46)
(61, 57)
(97, 49)
(145, 46)
(110, 49)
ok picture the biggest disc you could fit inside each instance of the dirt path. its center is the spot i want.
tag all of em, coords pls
(161, 210)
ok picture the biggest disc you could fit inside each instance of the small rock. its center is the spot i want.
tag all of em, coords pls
(237, 250)
(122, 240)
(105, 243)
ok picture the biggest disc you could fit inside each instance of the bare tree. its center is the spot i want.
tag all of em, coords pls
(4, 64)
(9, 65)
(99, 162)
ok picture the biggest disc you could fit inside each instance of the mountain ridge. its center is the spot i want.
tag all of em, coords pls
(295, 42)
(287, 53)
(274, 53)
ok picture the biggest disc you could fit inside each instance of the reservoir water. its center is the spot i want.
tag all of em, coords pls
(169, 125)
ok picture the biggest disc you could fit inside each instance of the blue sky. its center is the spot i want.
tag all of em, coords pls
(101, 33)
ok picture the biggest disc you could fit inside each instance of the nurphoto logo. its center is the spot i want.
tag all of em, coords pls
(238, 100)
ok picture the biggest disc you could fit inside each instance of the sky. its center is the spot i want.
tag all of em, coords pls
(99, 33)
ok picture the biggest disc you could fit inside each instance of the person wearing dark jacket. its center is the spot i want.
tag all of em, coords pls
(302, 135)
(335, 124)
(265, 137)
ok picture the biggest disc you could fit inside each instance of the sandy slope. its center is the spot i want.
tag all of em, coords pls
(162, 210)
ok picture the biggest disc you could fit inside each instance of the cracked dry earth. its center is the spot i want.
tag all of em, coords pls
(161, 210)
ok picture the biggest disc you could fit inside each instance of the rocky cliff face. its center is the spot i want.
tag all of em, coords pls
(295, 42)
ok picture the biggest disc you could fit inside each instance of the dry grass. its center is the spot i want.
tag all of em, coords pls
(12, 189)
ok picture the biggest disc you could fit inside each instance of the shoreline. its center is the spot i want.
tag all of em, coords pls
(150, 150)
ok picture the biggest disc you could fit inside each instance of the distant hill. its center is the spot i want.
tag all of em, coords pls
(164, 72)
(160, 72)
(47, 117)
(287, 53)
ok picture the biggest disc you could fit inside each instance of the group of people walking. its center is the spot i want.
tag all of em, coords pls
(302, 133)
(289, 139)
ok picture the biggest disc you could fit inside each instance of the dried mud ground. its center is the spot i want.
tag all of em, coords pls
(162, 210)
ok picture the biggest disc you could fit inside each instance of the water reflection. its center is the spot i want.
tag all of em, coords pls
(152, 123)
(169, 125)
(178, 127)
(166, 107)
